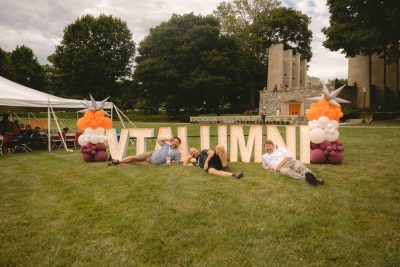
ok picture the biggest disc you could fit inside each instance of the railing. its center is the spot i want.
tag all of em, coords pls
(256, 119)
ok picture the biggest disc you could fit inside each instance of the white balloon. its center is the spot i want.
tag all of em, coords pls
(335, 124)
(99, 131)
(317, 136)
(322, 121)
(332, 137)
(332, 131)
(82, 141)
(102, 138)
(89, 130)
(94, 138)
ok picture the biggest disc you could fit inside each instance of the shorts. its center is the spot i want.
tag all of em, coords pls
(215, 162)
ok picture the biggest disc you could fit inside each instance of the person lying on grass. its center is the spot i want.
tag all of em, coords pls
(281, 160)
(167, 154)
(213, 162)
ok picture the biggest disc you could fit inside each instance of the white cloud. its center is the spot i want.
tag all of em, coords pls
(40, 24)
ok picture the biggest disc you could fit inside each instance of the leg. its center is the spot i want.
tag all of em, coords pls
(299, 167)
(139, 157)
(219, 173)
(291, 173)
(221, 152)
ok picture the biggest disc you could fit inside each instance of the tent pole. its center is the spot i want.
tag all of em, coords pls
(48, 128)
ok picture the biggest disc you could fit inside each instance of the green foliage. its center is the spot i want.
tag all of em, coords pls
(364, 27)
(95, 53)
(256, 25)
(184, 62)
(22, 66)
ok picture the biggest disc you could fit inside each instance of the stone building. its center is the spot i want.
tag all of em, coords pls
(288, 86)
(366, 75)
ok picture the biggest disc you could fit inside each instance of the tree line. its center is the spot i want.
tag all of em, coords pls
(190, 63)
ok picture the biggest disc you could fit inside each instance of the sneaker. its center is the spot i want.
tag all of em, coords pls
(311, 179)
(321, 181)
(237, 175)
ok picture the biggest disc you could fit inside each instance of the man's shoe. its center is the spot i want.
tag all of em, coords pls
(311, 179)
(321, 181)
(237, 175)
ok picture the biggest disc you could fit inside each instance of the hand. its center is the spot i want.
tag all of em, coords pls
(205, 166)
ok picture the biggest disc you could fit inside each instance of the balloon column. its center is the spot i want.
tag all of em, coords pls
(323, 117)
(93, 124)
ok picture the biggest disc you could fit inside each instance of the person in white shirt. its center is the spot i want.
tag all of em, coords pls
(281, 160)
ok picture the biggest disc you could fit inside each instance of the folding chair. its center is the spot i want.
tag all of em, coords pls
(70, 139)
(56, 141)
(1, 145)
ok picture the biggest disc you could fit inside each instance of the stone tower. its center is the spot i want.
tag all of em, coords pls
(285, 69)
(368, 72)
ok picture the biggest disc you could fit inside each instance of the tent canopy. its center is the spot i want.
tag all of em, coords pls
(15, 95)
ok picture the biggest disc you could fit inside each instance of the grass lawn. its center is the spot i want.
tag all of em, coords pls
(57, 210)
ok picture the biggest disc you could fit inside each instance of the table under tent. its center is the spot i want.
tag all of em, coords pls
(14, 95)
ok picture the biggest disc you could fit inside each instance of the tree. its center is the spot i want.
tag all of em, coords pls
(26, 69)
(94, 55)
(364, 27)
(257, 24)
(185, 63)
(22, 66)
(4, 63)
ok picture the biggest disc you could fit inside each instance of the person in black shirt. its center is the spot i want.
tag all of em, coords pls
(213, 162)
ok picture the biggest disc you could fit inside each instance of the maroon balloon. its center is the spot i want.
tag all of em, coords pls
(325, 144)
(326, 152)
(329, 148)
(87, 157)
(337, 159)
(100, 156)
(93, 152)
(84, 146)
(314, 146)
(339, 148)
(332, 153)
(89, 145)
(317, 156)
(100, 147)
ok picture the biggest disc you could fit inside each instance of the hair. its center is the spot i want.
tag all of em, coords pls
(269, 142)
(177, 139)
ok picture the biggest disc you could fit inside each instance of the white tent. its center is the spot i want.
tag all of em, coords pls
(15, 95)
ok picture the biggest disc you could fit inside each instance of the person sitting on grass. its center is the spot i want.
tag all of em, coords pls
(281, 160)
(167, 154)
(213, 162)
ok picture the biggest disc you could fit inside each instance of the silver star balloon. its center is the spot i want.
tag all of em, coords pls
(331, 97)
(92, 105)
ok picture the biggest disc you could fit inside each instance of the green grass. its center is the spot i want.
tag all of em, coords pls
(57, 210)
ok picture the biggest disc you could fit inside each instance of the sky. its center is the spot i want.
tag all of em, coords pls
(39, 24)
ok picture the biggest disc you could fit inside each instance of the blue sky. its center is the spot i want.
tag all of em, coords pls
(39, 24)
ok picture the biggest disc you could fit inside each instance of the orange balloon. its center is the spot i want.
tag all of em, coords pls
(99, 114)
(81, 124)
(89, 114)
(107, 123)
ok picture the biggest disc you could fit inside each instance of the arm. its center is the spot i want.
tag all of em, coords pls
(265, 164)
(162, 140)
(283, 161)
(210, 154)
(177, 158)
(186, 159)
